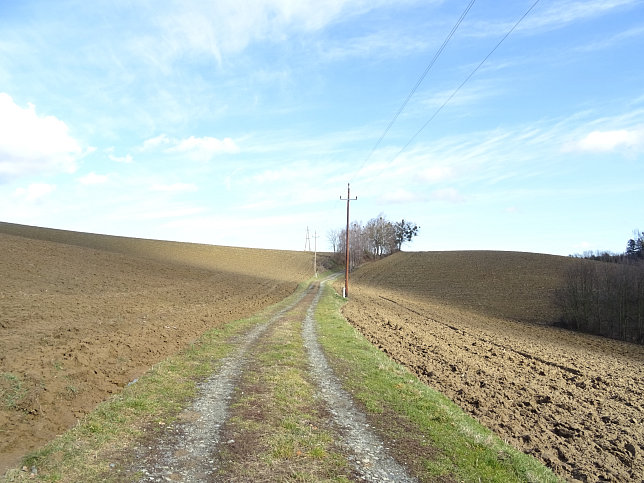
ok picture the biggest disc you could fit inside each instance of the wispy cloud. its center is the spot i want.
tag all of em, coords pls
(380, 45)
(194, 148)
(616, 39)
(219, 29)
(559, 14)
(548, 17)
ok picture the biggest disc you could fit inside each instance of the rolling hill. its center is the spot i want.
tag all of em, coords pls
(81, 315)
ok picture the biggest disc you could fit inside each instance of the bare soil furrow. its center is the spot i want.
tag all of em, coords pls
(574, 401)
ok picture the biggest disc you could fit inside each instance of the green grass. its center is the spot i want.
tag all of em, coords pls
(11, 390)
(415, 415)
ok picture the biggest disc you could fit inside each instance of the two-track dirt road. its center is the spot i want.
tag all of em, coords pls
(231, 432)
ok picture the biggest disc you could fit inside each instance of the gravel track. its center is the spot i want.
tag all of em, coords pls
(184, 452)
(187, 451)
(368, 454)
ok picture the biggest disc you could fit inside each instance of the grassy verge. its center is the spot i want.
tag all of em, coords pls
(428, 432)
(83, 453)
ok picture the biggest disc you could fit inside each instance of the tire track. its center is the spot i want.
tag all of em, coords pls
(370, 459)
(184, 452)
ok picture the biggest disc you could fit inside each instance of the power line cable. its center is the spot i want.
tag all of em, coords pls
(419, 81)
(466, 79)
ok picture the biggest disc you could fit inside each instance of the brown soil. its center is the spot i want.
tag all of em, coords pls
(574, 401)
(82, 315)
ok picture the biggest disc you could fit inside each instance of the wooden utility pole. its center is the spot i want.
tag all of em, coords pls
(315, 255)
(346, 245)
(307, 242)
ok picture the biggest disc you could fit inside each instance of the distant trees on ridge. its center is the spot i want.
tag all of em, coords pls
(377, 238)
(607, 298)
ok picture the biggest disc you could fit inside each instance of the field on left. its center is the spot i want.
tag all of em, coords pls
(83, 315)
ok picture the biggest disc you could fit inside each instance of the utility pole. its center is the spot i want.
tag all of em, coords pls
(315, 253)
(346, 245)
(307, 242)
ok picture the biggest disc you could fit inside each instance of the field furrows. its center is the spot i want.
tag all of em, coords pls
(78, 324)
(573, 401)
(273, 410)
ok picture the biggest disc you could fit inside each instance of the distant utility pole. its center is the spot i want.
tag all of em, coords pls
(307, 242)
(315, 253)
(346, 245)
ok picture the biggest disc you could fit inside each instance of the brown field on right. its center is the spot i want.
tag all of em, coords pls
(474, 325)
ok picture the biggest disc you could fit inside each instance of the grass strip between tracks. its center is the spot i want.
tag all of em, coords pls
(425, 430)
(277, 429)
(87, 451)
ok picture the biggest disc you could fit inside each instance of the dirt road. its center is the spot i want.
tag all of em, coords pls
(229, 433)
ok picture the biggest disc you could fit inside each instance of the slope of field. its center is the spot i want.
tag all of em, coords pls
(572, 400)
(78, 323)
(512, 285)
(282, 265)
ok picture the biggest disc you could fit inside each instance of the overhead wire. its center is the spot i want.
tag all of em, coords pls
(419, 81)
(466, 80)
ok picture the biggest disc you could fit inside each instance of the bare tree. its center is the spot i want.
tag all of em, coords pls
(333, 236)
(381, 236)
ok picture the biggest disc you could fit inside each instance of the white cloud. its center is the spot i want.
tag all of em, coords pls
(175, 187)
(93, 178)
(610, 140)
(155, 142)
(127, 159)
(205, 147)
(35, 191)
(33, 143)
(195, 148)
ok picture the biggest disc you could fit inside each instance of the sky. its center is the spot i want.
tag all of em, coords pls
(240, 123)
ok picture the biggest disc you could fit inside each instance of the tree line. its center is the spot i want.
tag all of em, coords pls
(378, 238)
(634, 251)
(604, 295)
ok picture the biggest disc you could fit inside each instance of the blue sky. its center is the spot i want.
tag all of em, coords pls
(240, 123)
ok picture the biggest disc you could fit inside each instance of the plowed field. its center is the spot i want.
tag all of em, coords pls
(466, 323)
(82, 315)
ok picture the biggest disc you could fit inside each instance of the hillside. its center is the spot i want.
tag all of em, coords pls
(511, 285)
(458, 320)
(82, 315)
(288, 266)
